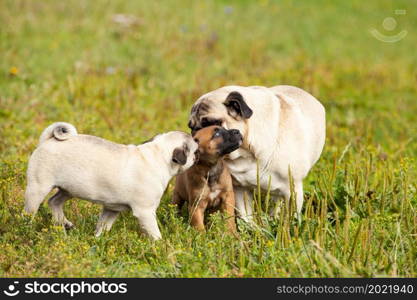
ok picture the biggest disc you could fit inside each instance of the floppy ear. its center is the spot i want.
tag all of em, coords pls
(179, 156)
(193, 127)
(237, 106)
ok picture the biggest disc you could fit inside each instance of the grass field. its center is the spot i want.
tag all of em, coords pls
(75, 61)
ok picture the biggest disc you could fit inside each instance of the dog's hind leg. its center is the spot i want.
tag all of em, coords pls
(56, 203)
(34, 195)
(106, 220)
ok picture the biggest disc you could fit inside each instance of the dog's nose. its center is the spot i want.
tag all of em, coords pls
(236, 134)
(235, 131)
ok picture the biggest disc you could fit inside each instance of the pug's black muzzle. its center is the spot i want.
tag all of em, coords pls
(232, 139)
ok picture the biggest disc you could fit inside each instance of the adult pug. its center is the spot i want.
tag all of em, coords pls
(116, 176)
(283, 128)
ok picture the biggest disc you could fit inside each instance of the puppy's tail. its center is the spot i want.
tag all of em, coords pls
(59, 131)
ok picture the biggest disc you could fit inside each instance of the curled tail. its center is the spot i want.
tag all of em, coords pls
(59, 130)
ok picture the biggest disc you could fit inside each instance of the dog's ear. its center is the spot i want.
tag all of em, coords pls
(194, 131)
(179, 156)
(191, 124)
(237, 106)
(193, 127)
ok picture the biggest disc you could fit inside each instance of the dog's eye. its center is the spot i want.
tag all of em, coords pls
(205, 122)
(216, 134)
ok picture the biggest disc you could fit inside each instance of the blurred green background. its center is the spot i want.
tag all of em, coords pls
(126, 70)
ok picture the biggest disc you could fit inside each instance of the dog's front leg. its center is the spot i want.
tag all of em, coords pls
(243, 203)
(299, 197)
(178, 201)
(284, 194)
(196, 214)
(147, 221)
(228, 207)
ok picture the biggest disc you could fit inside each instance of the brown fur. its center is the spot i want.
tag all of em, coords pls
(208, 184)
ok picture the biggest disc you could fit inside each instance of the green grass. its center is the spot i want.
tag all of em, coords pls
(68, 61)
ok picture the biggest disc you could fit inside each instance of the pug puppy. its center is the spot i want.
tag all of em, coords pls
(283, 131)
(208, 184)
(119, 177)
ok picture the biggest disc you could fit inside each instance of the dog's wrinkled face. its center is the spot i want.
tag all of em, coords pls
(215, 142)
(227, 110)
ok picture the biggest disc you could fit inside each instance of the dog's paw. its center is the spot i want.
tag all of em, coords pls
(68, 225)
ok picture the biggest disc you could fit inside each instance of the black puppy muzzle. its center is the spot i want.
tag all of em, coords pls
(232, 139)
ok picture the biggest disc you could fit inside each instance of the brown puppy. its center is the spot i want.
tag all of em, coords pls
(208, 183)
